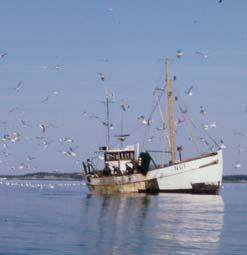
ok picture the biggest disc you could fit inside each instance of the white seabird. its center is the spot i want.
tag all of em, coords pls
(101, 76)
(202, 110)
(179, 54)
(201, 54)
(189, 91)
(237, 165)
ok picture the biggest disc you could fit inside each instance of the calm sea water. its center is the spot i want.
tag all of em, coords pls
(63, 218)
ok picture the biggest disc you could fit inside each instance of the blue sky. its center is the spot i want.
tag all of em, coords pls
(126, 41)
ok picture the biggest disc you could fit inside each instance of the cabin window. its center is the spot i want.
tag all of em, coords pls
(109, 157)
(115, 156)
(132, 155)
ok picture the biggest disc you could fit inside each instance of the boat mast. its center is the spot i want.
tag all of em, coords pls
(163, 118)
(170, 111)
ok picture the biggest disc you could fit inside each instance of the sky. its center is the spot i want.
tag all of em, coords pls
(55, 50)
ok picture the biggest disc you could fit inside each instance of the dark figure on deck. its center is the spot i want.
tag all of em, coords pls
(85, 168)
(144, 162)
(129, 170)
(107, 170)
(116, 171)
(135, 165)
(89, 166)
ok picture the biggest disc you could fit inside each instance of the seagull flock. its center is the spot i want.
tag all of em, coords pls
(69, 150)
(12, 135)
(67, 143)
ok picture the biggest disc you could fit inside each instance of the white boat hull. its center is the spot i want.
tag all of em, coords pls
(189, 175)
(198, 175)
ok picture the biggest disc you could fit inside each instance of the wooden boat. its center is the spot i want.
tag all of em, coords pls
(128, 171)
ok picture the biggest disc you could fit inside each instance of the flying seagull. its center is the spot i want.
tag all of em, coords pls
(101, 76)
(14, 109)
(213, 125)
(150, 139)
(69, 153)
(3, 55)
(179, 121)
(53, 92)
(45, 141)
(21, 166)
(237, 165)
(58, 67)
(56, 91)
(45, 99)
(24, 123)
(93, 116)
(189, 91)
(179, 54)
(241, 148)
(222, 145)
(144, 121)
(109, 10)
(202, 110)
(103, 59)
(66, 140)
(202, 54)
(17, 87)
(15, 137)
(160, 129)
(125, 106)
(240, 133)
(43, 127)
(30, 158)
(111, 126)
(183, 110)
(11, 137)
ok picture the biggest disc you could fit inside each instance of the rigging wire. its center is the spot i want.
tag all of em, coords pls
(194, 140)
(208, 135)
(164, 133)
(195, 126)
(183, 110)
(158, 81)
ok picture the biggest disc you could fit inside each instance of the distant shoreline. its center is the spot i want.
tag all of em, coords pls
(235, 178)
(46, 176)
(78, 176)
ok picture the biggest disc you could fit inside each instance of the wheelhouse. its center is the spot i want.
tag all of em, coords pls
(121, 158)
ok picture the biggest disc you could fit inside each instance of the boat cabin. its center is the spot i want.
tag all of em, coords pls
(121, 159)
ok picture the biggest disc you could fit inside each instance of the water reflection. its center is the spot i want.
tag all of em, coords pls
(161, 224)
(191, 223)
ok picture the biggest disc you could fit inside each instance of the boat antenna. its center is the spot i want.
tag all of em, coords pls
(108, 120)
(108, 100)
(170, 111)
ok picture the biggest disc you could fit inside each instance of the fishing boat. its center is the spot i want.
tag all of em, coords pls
(128, 170)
